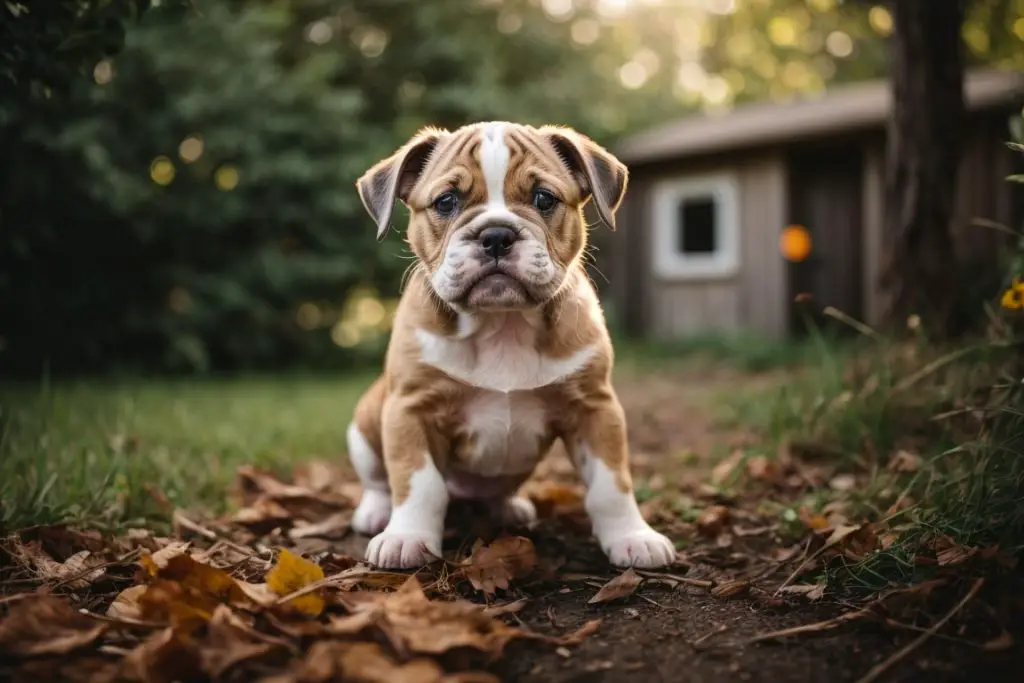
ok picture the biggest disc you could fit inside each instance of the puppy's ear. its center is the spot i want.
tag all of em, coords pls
(597, 171)
(394, 177)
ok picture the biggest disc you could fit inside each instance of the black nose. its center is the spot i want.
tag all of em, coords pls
(497, 241)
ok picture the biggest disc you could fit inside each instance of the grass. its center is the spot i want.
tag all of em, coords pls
(105, 453)
(959, 409)
(744, 352)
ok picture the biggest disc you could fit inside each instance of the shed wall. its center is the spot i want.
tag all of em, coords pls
(752, 300)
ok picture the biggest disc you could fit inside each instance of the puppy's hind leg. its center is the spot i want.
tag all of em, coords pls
(374, 510)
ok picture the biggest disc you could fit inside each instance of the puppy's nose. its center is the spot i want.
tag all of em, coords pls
(497, 241)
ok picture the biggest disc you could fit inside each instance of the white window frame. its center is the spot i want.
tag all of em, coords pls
(668, 260)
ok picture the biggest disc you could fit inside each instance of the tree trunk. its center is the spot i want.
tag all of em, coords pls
(925, 135)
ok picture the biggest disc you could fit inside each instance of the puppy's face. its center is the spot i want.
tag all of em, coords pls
(496, 208)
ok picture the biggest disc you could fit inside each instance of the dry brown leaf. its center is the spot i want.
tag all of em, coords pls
(73, 572)
(713, 520)
(843, 482)
(166, 657)
(293, 573)
(415, 624)
(553, 498)
(46, 625)
(730, 589)
(229, 642)
(492, 566)
(507, 608)
(904, 461)
(1004, 641)
(761, 468)
(840, 533)
(623, 585)
(579, 635)
(949, 553)
(723, 470)
(334, 527)
(368, 663)
(126, 604)
(158, 560)
(186, 592)
(811, 592)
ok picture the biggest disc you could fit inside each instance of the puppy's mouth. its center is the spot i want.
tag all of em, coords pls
(495, 288)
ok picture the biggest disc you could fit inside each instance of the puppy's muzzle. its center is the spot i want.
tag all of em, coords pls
(497, 241)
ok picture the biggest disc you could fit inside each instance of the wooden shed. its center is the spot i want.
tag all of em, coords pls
(697, 249)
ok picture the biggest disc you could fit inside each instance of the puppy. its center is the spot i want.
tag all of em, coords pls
(499, 345)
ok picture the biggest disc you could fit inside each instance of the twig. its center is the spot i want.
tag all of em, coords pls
(722, 628)
(122, 621)
(195, 527)
(124, 559)
(880, 669)
(700, 583)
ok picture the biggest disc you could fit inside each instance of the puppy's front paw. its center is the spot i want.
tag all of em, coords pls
(393, 549)
(373, 513)
(643, 547)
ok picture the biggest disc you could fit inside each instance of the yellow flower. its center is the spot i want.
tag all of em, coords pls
(1013, 298)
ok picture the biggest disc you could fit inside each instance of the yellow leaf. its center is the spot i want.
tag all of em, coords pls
(292, 573)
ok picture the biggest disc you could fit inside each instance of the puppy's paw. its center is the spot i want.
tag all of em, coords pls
(373, 513)
(396, 549)
(518, 511)
(643, 547)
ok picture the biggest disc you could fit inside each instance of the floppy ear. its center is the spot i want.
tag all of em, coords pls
(598, 172)
(394, 177)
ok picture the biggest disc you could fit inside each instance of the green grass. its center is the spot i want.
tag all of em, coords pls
(93, 452)
(959, 408)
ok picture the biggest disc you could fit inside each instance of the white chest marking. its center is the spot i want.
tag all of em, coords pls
(494, 157)
(500, 362)
(506, 431)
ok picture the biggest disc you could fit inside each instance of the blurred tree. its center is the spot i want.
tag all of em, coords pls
(925, 135)
(207, 216)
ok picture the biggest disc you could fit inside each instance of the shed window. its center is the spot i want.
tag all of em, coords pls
(695, 226)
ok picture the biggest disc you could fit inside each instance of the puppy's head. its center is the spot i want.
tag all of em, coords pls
(496, 209)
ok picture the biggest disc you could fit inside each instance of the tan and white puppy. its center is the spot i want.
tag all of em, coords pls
(499, 345)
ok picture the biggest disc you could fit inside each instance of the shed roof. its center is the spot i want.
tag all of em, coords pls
(840, 109)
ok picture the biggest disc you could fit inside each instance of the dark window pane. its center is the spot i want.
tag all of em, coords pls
(697, 225)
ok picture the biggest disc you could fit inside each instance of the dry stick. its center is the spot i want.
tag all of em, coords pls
(880, 669)
(197, 528)
(700, 583)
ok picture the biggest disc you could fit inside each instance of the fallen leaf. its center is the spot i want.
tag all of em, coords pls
(415, 624)
(73, 572)
(507, 608)
(335, 526)
(228, 643)
(368, 663)
(166, 657)
(554, 498)
(293, 573)
(713, 520)
(730, 589)
(621, 586)
(490, 567)
(723, 470)
(185, 592)
(1004, 641)
(843, 482)
(841, 532)
(154, 562)
(46, 625)
(815, 522)
(949, 553)
(126, 604)
(811, 592)
(904, 461)
(761, 468)
(579, 635)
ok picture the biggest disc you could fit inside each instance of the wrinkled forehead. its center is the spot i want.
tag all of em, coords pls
(493, 159)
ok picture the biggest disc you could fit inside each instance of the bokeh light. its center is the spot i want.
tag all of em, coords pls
(161, 171)
(191, 148)
(103, 72)
(226, 178)
(795, 243)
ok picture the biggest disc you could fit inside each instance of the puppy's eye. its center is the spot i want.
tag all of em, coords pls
(544, 201)
(447, 204)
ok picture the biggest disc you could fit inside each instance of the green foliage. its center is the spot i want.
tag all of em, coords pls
(107, 454)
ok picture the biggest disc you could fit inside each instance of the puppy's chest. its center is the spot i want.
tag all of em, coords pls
(501, 433)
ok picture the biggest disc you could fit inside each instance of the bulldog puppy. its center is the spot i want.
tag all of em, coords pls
(499, 344)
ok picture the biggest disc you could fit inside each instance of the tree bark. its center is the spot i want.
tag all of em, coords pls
(925, 133)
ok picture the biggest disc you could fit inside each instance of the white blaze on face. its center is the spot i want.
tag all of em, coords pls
(494, 158)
